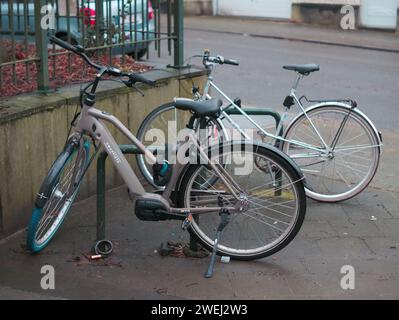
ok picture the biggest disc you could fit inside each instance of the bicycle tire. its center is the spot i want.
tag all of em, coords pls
(203, 233)
(328, 188)
(145, 170)
(51, 190)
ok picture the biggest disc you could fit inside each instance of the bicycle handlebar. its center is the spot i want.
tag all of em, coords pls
(222, 60)
(232, 62)
(218, 59)
(133, 77)
(64, 45)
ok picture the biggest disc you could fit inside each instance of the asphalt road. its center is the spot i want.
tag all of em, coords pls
(369, 77)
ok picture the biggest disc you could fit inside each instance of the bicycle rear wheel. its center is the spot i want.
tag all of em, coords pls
(56, 195)
(155, 127)
(275, 202)
(351, 165)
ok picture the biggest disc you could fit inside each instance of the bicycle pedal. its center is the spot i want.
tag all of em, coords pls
(187, 222)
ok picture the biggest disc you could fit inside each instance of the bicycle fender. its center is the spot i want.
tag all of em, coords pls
(346, 106)
(281, 154)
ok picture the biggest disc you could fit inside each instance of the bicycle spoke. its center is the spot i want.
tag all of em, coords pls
(272, 204)
(343, 178)
(350, 167)
(269, 208)
(268, 215)
(55, 207)
(263, 222)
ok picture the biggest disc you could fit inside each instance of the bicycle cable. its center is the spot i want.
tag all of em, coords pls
(188, 62)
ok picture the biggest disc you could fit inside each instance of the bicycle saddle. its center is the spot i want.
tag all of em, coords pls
(303, 69)
(200, 107)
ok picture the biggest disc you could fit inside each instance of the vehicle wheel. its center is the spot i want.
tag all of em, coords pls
(56, 195)
(275, 208)
(64, 37)
(140, 54)
(351, 165)
(155, 126)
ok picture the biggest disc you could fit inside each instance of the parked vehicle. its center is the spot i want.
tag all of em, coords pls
(258, 214)
(132, 22)
(335, 144)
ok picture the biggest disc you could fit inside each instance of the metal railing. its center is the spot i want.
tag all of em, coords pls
(107, 27)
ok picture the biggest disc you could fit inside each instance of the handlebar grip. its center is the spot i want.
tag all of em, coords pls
(222, 60)
(232, 62)
(64, 44)
(139, 78)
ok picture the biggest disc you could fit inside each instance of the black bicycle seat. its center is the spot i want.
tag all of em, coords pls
(303, 69)
(200, 107)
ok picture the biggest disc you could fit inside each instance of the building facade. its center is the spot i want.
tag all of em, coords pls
(382, 14)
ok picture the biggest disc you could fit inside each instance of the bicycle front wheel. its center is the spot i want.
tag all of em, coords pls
(353, 161)
(273, 193)
(56, 195)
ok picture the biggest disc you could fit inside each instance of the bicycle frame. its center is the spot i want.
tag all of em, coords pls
(321, 151)
(91, 124)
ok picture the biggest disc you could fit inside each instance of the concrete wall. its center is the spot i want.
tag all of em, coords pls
(327, 12)
(33, 129)
(317, 12)
(333, 2)
(198, 7)
(320, 14)
(269, 9)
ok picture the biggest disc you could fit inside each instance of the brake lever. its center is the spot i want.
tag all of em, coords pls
(129, 83)
(132, 85)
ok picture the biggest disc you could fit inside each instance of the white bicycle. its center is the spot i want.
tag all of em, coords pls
(336, 146)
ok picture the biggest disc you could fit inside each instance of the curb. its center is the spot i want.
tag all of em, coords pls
(329, 43)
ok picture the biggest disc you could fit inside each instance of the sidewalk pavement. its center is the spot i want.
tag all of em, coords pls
(362, 232)
(367, 39)
(7, 293)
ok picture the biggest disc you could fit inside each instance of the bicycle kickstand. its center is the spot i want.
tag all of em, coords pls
(224, 220)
